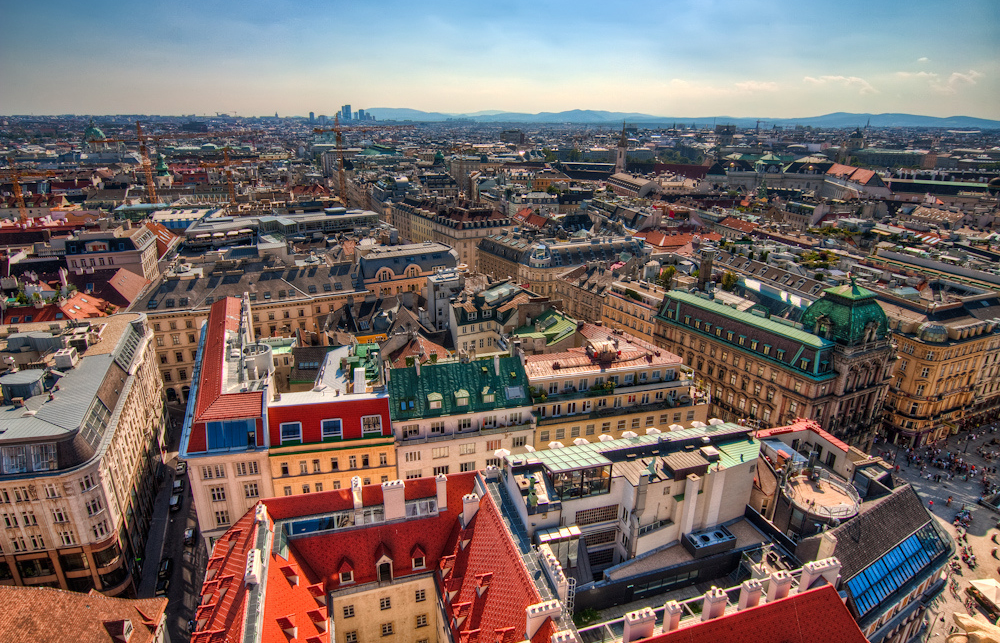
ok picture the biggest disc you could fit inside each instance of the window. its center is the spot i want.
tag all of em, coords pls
(291, 432)
(288, 491)
(439, 452)
(421, 620)
(303, 467)
(352, 636)
(284, 468)
(334, 464)
(364, 460)
(386, 629)
(385, 603)
(519, 441)
(437, 427)
(467, 466)
(250, 490)
(383, 459)
(305, 488)
(412, 456)
(371, 424)
(221, 518)
(316, 468)
(352, 461)
(94, 507)
(441, 470)
(332, 429)
(58, 515)
(348, 611)
(420, 595)
(218, 494)
(347, 577)
(467, 449)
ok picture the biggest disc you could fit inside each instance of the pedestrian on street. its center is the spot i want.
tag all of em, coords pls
(931, 505)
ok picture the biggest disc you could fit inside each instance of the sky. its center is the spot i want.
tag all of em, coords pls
(680, 58)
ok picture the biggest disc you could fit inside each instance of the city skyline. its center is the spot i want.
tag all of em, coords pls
(773, 59)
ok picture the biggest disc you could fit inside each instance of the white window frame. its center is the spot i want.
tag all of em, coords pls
(366, 431)
(340, 429)
(281, 428)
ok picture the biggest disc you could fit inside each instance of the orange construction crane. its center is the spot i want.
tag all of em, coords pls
(339, 131)
(16, 175)
(228, 168)
(142, 138)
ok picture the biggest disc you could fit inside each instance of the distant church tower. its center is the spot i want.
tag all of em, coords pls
(622, 149)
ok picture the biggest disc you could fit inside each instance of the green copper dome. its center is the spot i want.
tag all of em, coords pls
(846, 314)
(93, 133)
(161, 166)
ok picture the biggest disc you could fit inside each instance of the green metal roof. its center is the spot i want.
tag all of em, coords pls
(748, 319)
(850, 310)
(553, 333)
(444, 381)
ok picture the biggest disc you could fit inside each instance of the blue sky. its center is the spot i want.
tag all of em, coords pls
(774, 58)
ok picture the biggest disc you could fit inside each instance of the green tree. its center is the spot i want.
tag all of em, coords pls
(667, 277)
(729, 280)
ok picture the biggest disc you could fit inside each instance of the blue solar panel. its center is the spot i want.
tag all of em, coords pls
(893, 570)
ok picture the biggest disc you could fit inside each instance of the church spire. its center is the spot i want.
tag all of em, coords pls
(622, 150)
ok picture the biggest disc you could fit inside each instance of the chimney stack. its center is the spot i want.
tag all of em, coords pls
(714, 604)
(672, 612)
(442, 492)
(470, 505)
(356, 492)
(779, 585)
(537, 614)
(750, 593)
(394, 499)
(828, 569)
(639, 625)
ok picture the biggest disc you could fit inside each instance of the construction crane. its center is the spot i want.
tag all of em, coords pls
(142, 139)
(339, 132)
(226, 164)
(16, 175)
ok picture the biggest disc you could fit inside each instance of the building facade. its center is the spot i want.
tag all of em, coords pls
(84, 432)
(124, 247)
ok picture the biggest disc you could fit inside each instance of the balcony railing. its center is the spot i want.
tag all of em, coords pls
(469, 433)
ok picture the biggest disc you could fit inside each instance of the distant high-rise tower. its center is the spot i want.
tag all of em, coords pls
(705, 269)
(312, 117)
(361, 114)
(622, 150)
(345, 112)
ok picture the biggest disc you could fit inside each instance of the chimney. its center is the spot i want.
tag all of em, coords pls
(714, 604)
(750, 593)
(672, 612)
(639, 625)
(496, 365)
(537, 614)
(779, 585)
(827, 545)
(393, 499)
(442, 492)
(566, 636)
(828, 569)
(356, 492)
(416, 365)
(470, 505)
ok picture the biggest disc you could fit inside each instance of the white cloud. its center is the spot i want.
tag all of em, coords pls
(864, 87)
(956, 80)
(923, 59)
(756, 86)
(916, 74)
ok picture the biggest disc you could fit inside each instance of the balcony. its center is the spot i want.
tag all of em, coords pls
(470, 433)
(610, 411)
(680, 380)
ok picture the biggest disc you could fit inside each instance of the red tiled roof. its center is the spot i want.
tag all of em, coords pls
(128, 284)
(325, 552)
(509, 588)
(288, 599)
(663, 240)
(221, 621)
(165, 239)
(44, 615)
(213, 403)
(738, 224)
(814, 615)
(804, 425)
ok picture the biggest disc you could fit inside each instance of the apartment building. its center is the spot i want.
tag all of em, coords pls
(613, 384)
(224, 438)
(631, 306)
(945, 377)
(391, 270)
(454, 416)
(83, 431)
(582, 290)
(460, 225)
(320, 438)
(132, 248)
(287, 299)
(382, 563)
(834, 368)
(478, 321)
(538, 262)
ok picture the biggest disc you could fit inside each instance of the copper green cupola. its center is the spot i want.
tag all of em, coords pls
(846, 314)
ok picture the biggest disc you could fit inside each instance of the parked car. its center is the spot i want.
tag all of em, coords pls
(181, 468)
(162, 587)
(189, 535)
(166, 568)
(175, 503)
(178, 485)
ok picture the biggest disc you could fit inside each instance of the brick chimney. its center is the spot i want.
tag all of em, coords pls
(714, 604)
(639, 625)
(672, 612)
(393, 499)
(828, 569)
(442, 492)
(779, 585)
(537, 614)
(750, 593)
(356, 492)
(470, 505)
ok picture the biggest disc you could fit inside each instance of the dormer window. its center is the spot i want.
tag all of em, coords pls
(488, 395)
(472, 315)
(434, 400)
(347, 577)
(419, 562)
(487, 313)
(461, 397)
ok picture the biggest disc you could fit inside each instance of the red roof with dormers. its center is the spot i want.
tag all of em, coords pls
(494, 562)
(288, 597)
(815, 615)
(221, 621)
(326, 552)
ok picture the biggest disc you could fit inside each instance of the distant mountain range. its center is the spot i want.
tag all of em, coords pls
(599, 117)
